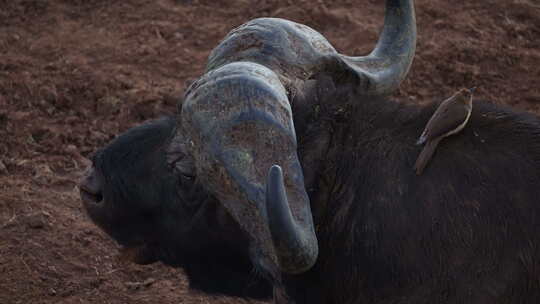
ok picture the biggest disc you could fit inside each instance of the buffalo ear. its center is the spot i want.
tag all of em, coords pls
(309, 95)
(313, 91)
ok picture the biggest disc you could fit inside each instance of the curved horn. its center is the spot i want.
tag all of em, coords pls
(296, 248)
(388, 64)
(237, 120)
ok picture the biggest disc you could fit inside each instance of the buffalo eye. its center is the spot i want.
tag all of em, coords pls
(184, 167)
(187, 177)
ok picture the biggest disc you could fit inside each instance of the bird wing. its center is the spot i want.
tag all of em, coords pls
(445, 119)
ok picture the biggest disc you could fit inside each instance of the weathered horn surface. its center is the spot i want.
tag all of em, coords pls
(238, 122)
(388, 64)
(297, 52)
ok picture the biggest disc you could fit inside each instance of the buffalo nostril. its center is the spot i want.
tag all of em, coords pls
(98, 197)
(90, 188)
(90, 196)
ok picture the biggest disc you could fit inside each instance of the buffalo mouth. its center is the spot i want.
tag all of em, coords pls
(141, 254)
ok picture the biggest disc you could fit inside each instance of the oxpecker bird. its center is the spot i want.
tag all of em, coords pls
(449, 118)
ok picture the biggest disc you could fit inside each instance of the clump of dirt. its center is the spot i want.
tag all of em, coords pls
(75, 73)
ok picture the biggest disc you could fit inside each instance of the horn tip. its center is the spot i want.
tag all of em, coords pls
(275, 171)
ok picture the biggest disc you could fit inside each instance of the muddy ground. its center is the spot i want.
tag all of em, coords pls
(74, 73)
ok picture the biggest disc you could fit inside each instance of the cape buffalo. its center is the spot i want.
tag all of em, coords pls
(288, 164)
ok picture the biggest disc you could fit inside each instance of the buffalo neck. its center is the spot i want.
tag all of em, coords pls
(340, 149)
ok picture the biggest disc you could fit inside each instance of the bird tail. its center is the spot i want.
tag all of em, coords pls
(425, 155)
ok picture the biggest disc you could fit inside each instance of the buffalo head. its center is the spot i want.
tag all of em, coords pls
(226, 177)
(155, 214)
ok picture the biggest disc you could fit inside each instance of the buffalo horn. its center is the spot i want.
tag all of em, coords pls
(387, 65)
(296, 249)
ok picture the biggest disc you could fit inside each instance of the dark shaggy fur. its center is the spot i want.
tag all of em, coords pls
(466, 231)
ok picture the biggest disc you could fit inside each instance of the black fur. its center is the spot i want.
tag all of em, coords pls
(180, 225)
(466, 231)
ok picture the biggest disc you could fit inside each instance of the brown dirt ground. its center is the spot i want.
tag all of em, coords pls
(74, 73)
